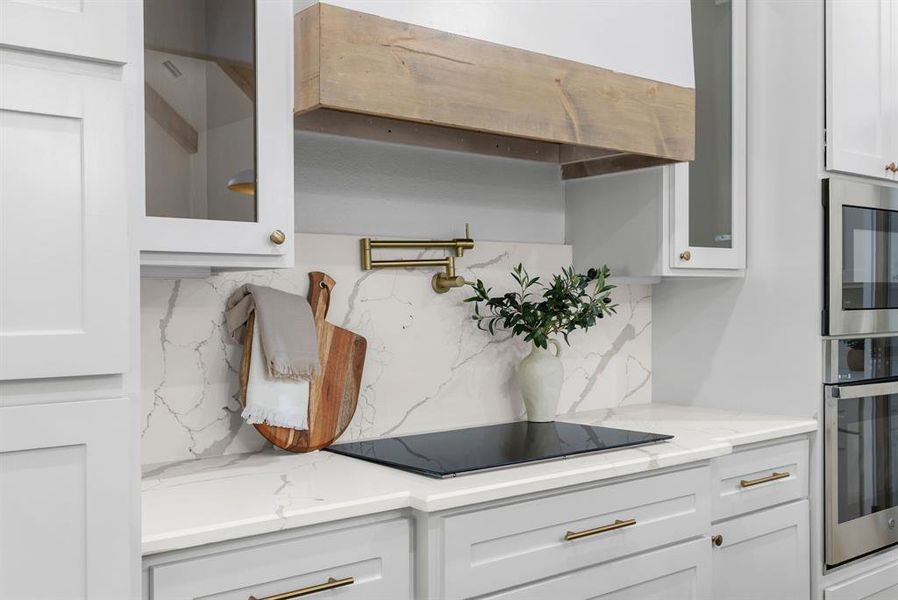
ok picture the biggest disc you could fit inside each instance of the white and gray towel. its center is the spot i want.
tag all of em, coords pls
(285, 332)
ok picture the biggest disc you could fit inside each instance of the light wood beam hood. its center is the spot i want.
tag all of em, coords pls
(366, 76)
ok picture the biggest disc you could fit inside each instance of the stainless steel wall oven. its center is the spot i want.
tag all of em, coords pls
(860, 446)
(861, 258)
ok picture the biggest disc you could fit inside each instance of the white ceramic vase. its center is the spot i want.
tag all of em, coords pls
(540, 375)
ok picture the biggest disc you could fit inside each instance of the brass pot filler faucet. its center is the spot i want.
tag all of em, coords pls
(441, 282)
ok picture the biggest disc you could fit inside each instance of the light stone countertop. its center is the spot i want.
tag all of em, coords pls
(190, 503)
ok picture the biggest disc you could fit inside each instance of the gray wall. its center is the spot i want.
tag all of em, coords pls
(367, 188)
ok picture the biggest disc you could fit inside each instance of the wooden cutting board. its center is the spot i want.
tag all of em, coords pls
(334, 393)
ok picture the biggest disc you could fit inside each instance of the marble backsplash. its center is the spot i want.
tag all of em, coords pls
(428, 367)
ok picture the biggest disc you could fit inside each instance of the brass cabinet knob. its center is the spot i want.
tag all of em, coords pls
(892, 167)
(717, 540)
(685, 255)
(278, 237)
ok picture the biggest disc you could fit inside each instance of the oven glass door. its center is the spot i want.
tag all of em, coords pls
(869, 258)
(863, 258)
(861, 469)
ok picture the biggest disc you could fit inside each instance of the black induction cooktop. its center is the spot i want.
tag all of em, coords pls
(459, 451)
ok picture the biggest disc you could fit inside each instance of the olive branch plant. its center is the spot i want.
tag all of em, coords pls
(538, 311)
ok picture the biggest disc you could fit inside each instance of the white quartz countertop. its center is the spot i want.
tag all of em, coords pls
(199, 502)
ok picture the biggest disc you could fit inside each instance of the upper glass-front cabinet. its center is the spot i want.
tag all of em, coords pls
(707, 207)
(218, 143)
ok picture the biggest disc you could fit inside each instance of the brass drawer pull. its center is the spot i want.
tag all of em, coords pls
(618, 524)
(772, 477)
(331, 584)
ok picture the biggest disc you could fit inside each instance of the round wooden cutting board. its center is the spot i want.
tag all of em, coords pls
(334, 393)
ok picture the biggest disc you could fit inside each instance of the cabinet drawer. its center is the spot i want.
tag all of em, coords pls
(500, 547)
(375, 556)
(681, 572)
(878, 584)
(754, 479)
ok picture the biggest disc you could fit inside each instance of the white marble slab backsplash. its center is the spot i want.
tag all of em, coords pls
(428, 367)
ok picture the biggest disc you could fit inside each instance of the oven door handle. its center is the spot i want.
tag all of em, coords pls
(862, 390)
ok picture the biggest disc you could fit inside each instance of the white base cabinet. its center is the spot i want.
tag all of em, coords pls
(646, 537)
(763, 555)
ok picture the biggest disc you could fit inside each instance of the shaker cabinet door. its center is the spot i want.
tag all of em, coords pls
(63, 221)
(774, 543)
(65, 501)
(861, 87)
(94, 29)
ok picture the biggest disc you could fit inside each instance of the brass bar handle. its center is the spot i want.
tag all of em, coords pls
(329, 585)
(772, 477)
(618, 524)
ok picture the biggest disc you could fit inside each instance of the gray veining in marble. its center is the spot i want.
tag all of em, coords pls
(428, 367)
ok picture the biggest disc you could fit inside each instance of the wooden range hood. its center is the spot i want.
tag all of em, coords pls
(365, 76)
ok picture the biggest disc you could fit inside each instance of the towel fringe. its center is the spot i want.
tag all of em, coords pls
(255, 414)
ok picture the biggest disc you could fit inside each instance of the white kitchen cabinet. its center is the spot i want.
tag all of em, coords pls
(219, 135)
(370, 560)
(862, 87)
(762, 555)
(93, 29)
(66, 500)
(63, 218)
(876, 584)
(68, 461)
(681, 572)
(686, 219)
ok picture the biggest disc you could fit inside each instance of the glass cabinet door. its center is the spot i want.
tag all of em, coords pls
(200, 105)
(218, 132)
(708, 208)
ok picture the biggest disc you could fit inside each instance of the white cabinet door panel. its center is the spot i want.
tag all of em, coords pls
(680, 572)
(63, 223)
(763, 555)
(861, 90)
(65, 504)
(88, 28)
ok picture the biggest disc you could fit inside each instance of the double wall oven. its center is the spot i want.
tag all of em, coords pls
(860, 322)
